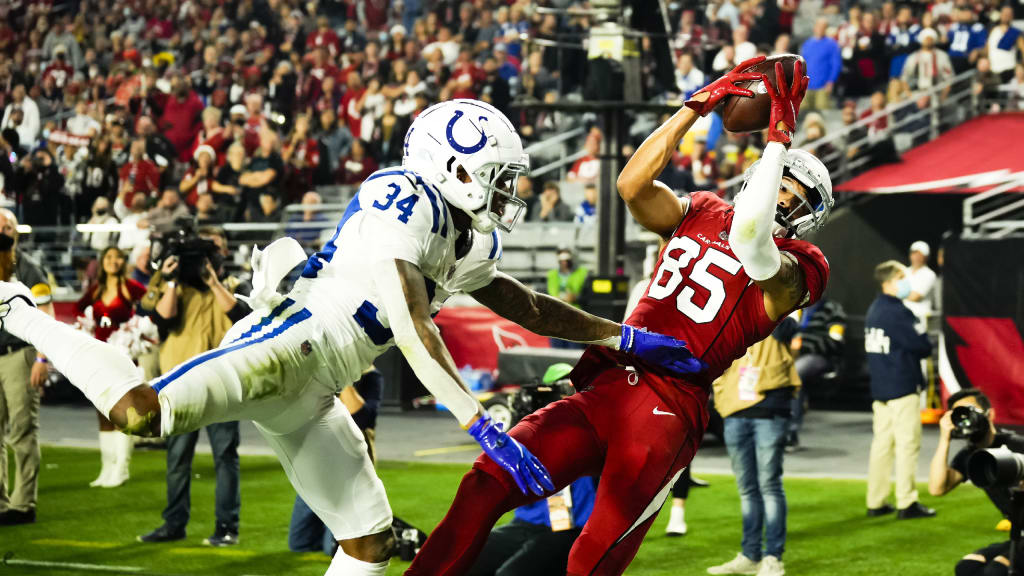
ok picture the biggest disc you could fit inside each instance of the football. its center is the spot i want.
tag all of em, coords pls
(743, 114)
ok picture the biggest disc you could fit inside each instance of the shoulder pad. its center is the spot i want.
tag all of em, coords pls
(405, 193)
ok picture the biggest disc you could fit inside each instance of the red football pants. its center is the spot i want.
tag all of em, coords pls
(622, 432)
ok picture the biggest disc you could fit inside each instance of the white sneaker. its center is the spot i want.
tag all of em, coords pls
(771, 566)
(676, 522)
(738, 565)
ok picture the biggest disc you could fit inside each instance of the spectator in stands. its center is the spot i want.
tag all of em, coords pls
(110, 301)
(922, 282)
(814, 130)
(689, 78)
(308, 237)
(824, 63)
(869, 66)
(82, 124)
(818, 348)
(524, 190)
(212, 134)
(158, 147)
(967, 39)
(199, 178)
(210, 212)
(901, 40)
(878, 128)
(301, 155)
(588, 168)
(334, 140)
(894, 350)
(169, 210)
(783, 44)
(196, 318)
(740, 50)
(701, 165)
(550, 207)
(102, 216)
(586, 212)
(227, 185)
(23, 373)
(754, 396)
(98, 173)
(986, 81)
(39, 185)
(132, 233)
(1005, 45)
(1016, 87)
(358, 165)
(28, 125)
(567, 282)
(270, 210)
(139, 175)
(929, 65)
(263, 174)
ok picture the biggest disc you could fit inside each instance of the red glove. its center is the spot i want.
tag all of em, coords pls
(725, 86)
(785, 102)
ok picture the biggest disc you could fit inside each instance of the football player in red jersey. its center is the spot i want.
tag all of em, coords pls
(726, 278)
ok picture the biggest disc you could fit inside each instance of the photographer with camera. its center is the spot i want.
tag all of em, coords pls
(970, 417)
(193, 303)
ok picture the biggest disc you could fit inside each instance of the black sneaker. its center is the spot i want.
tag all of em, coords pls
(164, 533)
(222, 536)
(916, 510)
(880, 511)
(14, 517)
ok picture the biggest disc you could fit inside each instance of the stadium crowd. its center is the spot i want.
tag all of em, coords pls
(242, 107)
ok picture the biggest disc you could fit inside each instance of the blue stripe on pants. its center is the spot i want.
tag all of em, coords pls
(292, 320)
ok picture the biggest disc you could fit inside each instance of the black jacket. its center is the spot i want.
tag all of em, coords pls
(894, 349)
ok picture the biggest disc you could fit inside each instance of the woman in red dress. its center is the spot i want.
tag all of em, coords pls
(112, 297)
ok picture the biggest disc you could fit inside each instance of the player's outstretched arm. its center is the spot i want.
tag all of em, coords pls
(652, 203)
(779, 276)
(404, 294)
(548, 316)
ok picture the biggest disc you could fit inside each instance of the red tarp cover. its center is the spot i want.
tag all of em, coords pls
(976, 156)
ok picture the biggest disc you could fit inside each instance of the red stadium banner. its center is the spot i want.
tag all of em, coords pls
(976, 156)
(474, 335)
(981, 343)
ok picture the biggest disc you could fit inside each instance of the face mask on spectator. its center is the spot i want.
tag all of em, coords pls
(6, 242)
(903, 289)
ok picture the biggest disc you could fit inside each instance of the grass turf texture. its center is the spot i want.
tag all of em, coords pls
(828, 531)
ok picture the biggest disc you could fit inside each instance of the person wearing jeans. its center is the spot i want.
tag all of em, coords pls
(755, 396)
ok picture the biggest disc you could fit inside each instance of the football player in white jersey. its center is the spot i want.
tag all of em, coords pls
(411, 237)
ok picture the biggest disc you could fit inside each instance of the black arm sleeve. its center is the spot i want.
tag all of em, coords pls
(785, 331)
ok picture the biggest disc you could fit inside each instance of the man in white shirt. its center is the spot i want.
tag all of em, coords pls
(28, 129)
(922, 282)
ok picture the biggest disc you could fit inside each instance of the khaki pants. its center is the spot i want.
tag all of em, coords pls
(818, 100)
(19, 429)
(897, 435)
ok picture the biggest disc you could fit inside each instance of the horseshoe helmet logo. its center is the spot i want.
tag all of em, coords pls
(472, 148)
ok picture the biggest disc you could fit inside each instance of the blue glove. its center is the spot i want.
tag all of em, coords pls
(512, 456)
(660, 350)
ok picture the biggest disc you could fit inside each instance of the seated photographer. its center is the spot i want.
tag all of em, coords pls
(976, 425)
(539, 537)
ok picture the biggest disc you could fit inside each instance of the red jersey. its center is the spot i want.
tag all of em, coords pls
(701, 294)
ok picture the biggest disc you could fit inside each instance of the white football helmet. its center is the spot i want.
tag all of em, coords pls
(807, 169)
(470, 140)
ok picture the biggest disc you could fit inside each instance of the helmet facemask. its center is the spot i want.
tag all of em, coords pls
(502, 208)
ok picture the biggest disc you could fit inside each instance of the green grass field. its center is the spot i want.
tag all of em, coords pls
(828, 531)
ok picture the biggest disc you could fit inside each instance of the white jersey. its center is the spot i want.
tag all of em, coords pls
(396, 214)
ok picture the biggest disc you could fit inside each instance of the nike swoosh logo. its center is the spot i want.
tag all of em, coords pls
(660, 413)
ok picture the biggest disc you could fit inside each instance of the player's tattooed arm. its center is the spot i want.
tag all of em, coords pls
(786, 289)
(652, 203)
(543, 314)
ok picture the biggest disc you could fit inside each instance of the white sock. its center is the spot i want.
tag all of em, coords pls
(102, 372)
(344, 565)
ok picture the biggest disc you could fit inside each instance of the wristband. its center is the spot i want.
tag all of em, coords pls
(41, 360)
